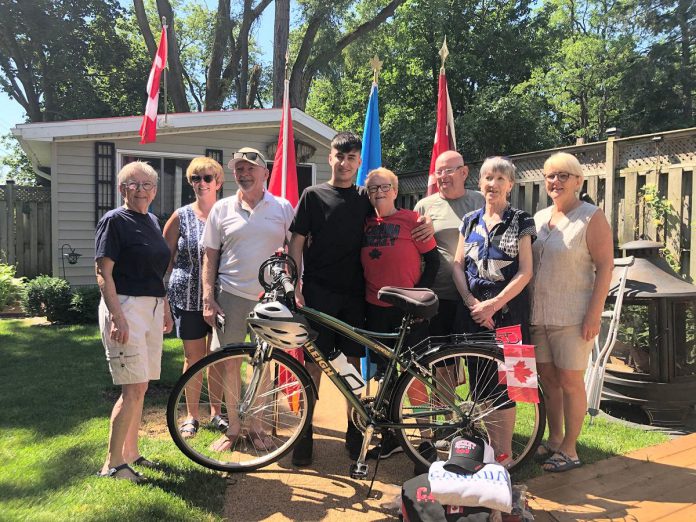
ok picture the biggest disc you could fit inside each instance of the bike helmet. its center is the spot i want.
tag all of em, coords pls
(276, 324)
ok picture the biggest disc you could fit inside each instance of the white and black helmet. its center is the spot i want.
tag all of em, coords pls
(276, 324)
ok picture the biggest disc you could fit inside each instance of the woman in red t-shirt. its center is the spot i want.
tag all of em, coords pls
(390, 257)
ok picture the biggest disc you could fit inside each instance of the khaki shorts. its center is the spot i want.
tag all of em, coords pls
(561, 345)
(140, 359)
(237, 309)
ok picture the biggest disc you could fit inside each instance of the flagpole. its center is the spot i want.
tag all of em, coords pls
(165, 27)
(284, 119)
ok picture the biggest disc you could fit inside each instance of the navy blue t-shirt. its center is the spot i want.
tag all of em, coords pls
(141, 256)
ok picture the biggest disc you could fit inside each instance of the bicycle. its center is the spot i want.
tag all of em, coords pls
(427, 395)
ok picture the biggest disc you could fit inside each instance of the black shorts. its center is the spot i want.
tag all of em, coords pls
(347, 308)
(388, 319)
(190, 324)
(443, 322)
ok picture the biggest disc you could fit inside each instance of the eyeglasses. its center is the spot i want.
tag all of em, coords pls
(245, 155)
(448, 171)
(208, 178)
(147, 186)
(372, 189)
(560, 176)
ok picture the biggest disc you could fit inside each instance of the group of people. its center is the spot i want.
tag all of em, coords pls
(490, 265)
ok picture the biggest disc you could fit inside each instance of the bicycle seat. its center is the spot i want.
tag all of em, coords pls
(420, 302)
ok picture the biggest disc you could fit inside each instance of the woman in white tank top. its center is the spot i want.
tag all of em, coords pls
(573, 262)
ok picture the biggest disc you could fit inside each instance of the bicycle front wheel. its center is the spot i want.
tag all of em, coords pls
(468, 377)
(268, 406)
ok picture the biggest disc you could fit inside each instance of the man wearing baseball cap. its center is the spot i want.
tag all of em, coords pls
(241, 232)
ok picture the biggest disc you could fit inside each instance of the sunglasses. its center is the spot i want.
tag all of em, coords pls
(245, 155)
(208, 178)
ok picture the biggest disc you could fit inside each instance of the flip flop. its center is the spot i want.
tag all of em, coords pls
(145, 463)
(261, 441)
(560, 462)
(548, 452)
(189, 428)
(123, 472)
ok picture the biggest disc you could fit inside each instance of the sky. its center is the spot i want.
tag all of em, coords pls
(12, 113)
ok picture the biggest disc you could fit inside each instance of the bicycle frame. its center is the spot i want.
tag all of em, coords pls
(367, 338)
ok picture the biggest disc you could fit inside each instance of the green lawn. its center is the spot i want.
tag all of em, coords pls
(56, 398)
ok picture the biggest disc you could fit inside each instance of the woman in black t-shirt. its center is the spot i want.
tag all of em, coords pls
(131, 259)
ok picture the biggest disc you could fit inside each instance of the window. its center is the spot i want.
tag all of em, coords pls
(305, 176)
(173, 190)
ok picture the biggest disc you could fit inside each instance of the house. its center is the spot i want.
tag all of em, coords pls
(82, 158)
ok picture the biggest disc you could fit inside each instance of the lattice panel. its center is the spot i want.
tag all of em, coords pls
(647, 154)
(38, 194)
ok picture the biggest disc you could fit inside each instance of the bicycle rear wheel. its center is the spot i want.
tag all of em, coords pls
(470, 379)
(273, 398)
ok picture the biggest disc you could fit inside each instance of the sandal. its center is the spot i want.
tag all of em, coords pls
(123, 472)
(544, 452)
(225, 443)
(219, 423)
(261, 441)
(145, 463)
(189, 429)
(561, 462)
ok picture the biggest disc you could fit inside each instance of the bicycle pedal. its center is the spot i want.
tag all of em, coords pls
(358, 471)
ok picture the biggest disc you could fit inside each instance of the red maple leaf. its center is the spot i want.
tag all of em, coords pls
(521, 372)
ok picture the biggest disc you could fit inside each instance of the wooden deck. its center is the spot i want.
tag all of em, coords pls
(657, 483)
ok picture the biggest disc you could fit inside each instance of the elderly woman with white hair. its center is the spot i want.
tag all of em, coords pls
(131, 259)
(492, 267)
(573, 262)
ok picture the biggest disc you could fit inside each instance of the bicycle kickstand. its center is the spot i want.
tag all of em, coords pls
(359, 469)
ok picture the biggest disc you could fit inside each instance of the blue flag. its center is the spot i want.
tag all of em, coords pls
(371, 159)
(371, 142)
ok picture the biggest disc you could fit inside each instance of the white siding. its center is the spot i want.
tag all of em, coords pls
(73, 174)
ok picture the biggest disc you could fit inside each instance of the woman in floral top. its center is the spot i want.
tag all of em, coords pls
(492, 267)
(183, 233)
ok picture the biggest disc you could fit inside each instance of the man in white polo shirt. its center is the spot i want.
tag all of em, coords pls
(241, 232)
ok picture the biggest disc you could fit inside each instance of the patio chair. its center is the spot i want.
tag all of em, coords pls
(594, 376)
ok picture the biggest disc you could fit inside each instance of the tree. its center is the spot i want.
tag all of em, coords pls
(19, 168)
(66, 59)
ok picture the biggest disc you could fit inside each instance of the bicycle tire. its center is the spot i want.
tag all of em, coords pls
(273, 409)
(479, 404)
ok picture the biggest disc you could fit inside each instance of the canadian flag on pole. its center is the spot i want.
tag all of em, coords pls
(445, 138)
(520, 373)
(148, 129)
(283, 183)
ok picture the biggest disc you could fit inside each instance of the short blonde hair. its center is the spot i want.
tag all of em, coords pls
(136, 166)
(498, 164)
(384, 172)
(564, 162)
(202, 164)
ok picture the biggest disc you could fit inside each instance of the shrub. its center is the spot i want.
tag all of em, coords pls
(49, 296)
(10, 286)
(84, 304)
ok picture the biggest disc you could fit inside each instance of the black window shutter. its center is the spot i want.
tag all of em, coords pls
(104, 178)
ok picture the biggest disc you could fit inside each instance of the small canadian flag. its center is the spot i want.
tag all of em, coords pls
(518, 371)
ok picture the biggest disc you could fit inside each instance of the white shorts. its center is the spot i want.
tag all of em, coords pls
(140, 359)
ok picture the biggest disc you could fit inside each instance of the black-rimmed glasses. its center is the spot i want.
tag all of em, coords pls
(386, 187)
(560, 176)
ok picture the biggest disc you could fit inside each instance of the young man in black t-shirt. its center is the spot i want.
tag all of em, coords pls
(327, 236)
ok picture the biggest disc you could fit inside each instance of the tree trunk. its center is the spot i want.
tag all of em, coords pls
(280, 47)
(216, 86)
(175, 78)
(686, 74)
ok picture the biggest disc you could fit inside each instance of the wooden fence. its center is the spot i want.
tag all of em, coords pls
(25, 228)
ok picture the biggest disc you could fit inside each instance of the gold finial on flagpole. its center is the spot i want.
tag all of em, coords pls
(376, 65)
(444, 53)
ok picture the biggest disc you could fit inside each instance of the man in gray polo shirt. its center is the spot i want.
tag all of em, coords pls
(446, 209)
